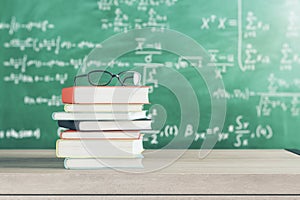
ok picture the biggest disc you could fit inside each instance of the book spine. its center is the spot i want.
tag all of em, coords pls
(70, 124)
(107, 138)
(56, 148)
(68, 95)
(65, 163)
(61, 135)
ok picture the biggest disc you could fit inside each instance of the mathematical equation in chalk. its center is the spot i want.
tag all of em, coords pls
(293, 27)
(26, 78)
(121, 22)
(148, 16)
(277, 96)
(290, 58)
(13, 26)
(55, 44)
(284, 101)
(39, 100)
(140, 5)
(20, 134)
(219, 22)
(25, 62)
(240, 130)
(243, 133)
(249, 28)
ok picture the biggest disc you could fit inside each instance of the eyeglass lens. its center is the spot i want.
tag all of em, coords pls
(100, 78)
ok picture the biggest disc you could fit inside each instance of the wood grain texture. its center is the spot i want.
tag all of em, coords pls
(221, 172)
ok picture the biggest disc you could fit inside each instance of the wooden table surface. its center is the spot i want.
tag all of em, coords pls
(270, 173)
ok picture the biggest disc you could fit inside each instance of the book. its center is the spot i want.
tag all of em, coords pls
(100, 163)
(103, 107)
(90, 135)
(98, 148)
(105, 125)
(105, 94)
(99, 116)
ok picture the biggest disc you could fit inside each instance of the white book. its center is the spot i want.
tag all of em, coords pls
(105, 94)
(72, 134)
(103, 107)
(99, 116)
(105, 125)
(98, 148)
(100, 163)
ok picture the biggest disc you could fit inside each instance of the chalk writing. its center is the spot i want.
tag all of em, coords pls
(55, 44)
(20, 134)
(14, 26)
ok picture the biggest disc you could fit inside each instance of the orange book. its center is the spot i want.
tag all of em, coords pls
(105, 95)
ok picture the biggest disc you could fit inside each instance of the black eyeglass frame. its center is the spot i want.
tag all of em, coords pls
(104, 71)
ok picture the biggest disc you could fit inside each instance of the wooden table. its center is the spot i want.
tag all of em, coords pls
(239, 174)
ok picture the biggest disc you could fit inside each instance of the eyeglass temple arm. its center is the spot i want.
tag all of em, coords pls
(79, 76)
(122, 82)
(127, 77)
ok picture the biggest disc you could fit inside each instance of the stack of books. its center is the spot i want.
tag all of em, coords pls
(104, 125)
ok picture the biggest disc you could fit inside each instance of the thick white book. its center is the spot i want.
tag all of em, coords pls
(100, 163)
(98, 148)
(105, 94)
(103, 107)
(105, 125)
(91, 135)
(99, 116)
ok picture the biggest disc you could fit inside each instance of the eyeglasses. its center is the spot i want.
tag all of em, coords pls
(103, 78)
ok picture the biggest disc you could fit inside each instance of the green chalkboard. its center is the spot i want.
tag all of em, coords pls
(252, 48)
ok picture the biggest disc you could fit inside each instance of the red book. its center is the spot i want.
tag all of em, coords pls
(105, 94)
